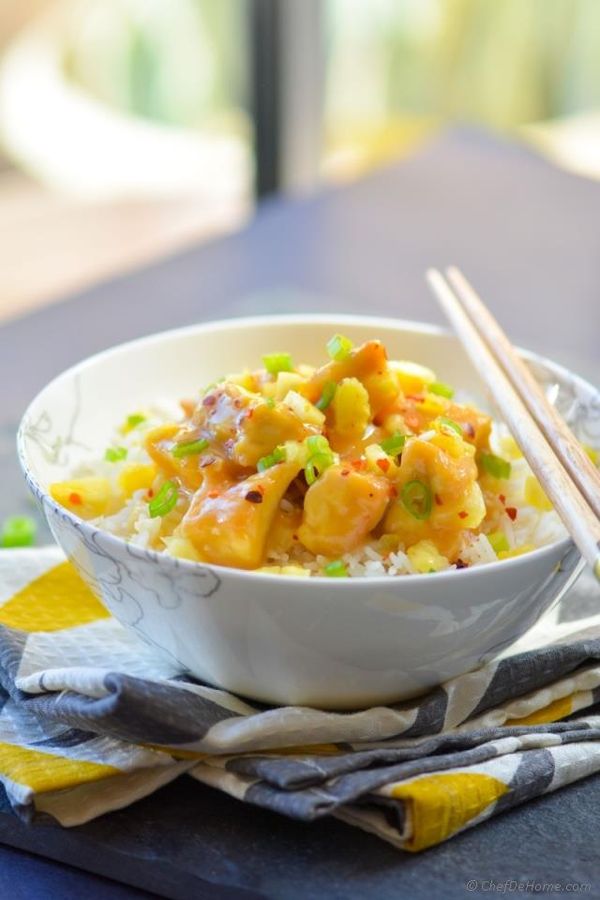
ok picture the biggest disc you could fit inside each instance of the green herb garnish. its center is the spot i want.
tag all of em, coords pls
(134, 420)
(317, 443)
(189, 448)
(441, 389)
(339, 347)
(495, 465)
(450, 423)
(394, 444)
(417, 499)
(336, 569)
(265, 462)
(18, 531)
(165, 500)
(115, 454)
(329, 389)
(316, 465)
(277, 362)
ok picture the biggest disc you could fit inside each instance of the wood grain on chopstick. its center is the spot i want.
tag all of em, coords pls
(571, 505)
(566, 446)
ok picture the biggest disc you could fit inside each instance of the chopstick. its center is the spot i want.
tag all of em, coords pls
(556, 431)
(574, 504)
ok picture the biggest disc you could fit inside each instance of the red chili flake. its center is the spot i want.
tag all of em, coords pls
(460, 564)
(254, 497)
(511, 512)
(468, 429)
(383, 464)
(502, 499)
(438, 500)
(463, 514)
(149, 493)
(418, 398)
(370, 495)
(294, 537)
(250, 413)
(358, 464)
(393, 491)
(209, 400)
(345, 472)
(75, 499)
(212, 494)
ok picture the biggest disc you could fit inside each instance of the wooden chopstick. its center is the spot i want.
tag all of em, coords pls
(566, 446)
(573, 508)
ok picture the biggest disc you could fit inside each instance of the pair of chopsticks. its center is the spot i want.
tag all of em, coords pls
(554, 454)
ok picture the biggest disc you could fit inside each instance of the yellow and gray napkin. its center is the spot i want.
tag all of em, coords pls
(91, 720)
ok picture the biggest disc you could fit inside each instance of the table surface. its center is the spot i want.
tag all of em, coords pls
(528, 236)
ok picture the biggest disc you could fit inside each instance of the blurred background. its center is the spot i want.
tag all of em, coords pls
(130, 128)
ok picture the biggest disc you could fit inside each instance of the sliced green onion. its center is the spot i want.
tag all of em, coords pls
(441, 389)
(189, 448)
(270, 402)
(317, 443)
(495, 465)
(277, 362)
(417, 499)
(329, 389)
(316, 465)
(336, 569)
(18, 531)
(134, 420)
(115, 454)
(499, 541)
(277, 456)
(339, 347)
(165, 500)
(394, 444)
(450, 423)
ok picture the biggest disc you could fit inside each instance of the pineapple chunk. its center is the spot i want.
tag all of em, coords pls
(367, 363)
(88, 497)
(535, 496)
(136, 476)
(351, 410)
(304, 409)
(425, 557)
(379, 462)
(286, 381)
(182, 548)
(298, 571)
(244, 379)
(412, 378)
(517, 551)
(509, 447)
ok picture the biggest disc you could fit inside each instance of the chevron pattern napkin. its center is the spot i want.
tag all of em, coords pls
(91, 720)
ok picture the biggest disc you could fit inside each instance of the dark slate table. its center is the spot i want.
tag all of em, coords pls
(529, 237)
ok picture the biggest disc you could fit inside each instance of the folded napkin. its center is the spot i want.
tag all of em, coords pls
(91, 720)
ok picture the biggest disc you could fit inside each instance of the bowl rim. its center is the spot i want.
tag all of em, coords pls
(335, 320)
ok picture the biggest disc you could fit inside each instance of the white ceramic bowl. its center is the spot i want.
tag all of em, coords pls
(337, 643)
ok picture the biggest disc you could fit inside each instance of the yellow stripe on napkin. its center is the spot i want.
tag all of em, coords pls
(45, 772)
(556, 710)
(441, 805)
(57, 599)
